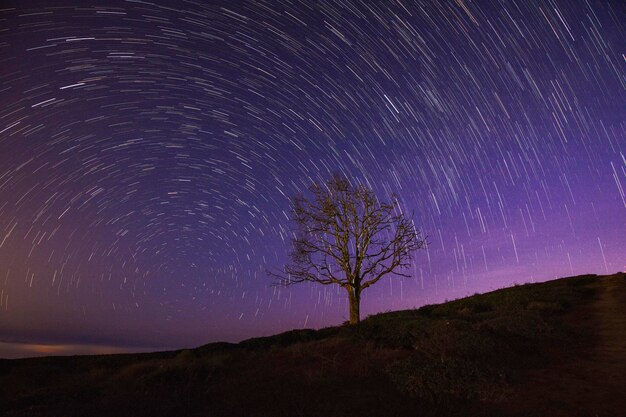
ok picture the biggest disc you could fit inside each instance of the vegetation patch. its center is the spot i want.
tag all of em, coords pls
(465, 354)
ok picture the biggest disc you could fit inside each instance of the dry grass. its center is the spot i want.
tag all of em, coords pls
(469, 356)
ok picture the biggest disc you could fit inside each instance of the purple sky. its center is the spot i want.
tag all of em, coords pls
(148, 151)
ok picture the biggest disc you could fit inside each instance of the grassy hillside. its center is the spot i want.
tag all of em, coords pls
(555, 348)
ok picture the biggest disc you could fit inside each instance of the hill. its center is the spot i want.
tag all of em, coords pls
(556, 348)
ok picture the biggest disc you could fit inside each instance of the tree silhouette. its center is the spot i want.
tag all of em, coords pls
(345, 236)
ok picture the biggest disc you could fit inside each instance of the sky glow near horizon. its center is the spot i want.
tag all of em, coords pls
(148, 151)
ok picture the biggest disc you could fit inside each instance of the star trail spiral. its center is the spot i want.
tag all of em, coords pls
(148, 151)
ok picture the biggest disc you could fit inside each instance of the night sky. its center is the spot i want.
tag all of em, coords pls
(148, 151)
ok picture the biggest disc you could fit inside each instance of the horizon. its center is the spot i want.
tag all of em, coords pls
(24, 350)
(148, 154)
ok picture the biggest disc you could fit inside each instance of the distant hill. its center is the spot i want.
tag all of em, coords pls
(551, 349)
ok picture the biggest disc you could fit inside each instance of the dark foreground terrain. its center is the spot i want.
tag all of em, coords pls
(551, 349)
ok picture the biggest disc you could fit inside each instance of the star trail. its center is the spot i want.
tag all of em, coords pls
(148, 151)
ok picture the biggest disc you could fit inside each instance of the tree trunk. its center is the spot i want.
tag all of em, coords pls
(354, 296)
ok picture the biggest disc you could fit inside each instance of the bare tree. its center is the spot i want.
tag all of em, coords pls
(345, 236)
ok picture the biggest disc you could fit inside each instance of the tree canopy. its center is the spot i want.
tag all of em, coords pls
(345, 235)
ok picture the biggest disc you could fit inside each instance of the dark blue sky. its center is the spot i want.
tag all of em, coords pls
(148, 151)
